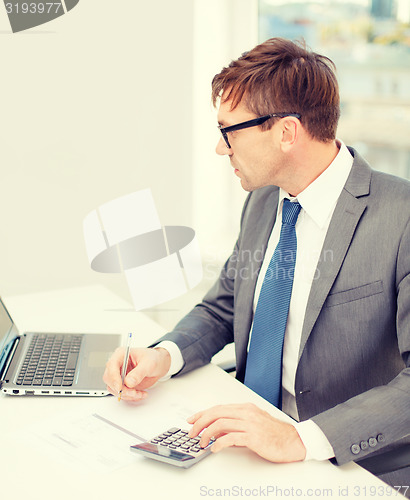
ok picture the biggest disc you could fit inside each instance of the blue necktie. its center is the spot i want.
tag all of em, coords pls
(264, 362)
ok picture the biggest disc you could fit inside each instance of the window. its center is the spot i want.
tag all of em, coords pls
(369, 41)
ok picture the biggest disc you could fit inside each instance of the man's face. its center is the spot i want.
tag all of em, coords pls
(254, 153)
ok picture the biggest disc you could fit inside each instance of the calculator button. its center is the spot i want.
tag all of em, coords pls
(173, 430)
(195, 449)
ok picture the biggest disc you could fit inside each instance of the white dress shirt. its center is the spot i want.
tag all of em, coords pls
(318, 202)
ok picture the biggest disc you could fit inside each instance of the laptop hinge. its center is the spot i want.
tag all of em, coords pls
(13, 344)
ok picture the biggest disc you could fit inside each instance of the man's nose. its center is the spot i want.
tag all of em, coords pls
(222, 149)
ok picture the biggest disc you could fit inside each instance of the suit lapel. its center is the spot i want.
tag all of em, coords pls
(348, 211)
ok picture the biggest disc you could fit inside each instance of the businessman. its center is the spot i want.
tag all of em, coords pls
(321, 323)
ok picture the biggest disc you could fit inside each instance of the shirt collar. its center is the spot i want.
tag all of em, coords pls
(320, 197)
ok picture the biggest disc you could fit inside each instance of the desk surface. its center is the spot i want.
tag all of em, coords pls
(33, 473)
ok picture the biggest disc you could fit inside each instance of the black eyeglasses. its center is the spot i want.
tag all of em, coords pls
(251, 123)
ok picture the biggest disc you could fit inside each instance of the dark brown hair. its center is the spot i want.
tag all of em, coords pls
(282, 76)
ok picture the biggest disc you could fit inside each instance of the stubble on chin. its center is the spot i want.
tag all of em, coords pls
(246, 186)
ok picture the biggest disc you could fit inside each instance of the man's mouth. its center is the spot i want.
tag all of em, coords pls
(236, 170)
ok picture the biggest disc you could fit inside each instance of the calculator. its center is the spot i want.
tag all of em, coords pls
(174, 447)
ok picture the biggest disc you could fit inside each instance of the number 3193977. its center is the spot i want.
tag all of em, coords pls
(33, 7)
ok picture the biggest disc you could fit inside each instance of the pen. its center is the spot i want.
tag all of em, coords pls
(125, 364)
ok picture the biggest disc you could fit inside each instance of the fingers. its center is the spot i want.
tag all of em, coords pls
(144, 368)
(113, 376)
(221, 427)
(112, 373)
(234, 410)
(132, 394)
(231, 439)
(128, 394)
(247, 426)
(228, 424)
(205, 418)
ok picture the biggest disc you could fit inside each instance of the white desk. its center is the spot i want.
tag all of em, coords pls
(30, 474)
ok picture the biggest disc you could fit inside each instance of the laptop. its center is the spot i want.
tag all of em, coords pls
(52, 364)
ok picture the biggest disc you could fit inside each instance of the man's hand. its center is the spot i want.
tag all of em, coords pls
(145, 368)
(247, 425)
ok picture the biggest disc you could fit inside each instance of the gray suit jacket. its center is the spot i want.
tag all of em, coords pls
(353, 375)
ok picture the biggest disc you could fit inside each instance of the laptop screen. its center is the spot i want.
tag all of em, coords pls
(8, 333)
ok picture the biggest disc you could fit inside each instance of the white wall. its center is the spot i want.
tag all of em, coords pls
(94, 105)
(111, 98)
(223, 30)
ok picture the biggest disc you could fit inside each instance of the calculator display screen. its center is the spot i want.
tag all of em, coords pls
(163, 451)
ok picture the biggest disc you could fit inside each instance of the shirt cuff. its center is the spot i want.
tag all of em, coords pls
(177, 361)
(316, 443)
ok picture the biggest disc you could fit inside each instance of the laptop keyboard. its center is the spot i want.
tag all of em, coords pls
(50, 360)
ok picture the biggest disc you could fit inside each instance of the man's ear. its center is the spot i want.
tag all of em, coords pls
(289, 133)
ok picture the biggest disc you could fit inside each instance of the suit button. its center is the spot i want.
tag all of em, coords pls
(372, 442)
(381, 438)
(364, 445)
(355, 449)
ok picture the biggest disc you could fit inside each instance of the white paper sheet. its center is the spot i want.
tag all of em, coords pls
(102, 439)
